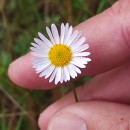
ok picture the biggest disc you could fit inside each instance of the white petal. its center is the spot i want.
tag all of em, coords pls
(78, 65)
(53, 75)
(55, 33)
(68, 34)
(58, 75)
(76, 69)
(38, 41)
(36, 45)
(88, 59)
(46, 41)
(50, 35)
(73, 74)
(41, 70)
(40, 47)
(66, 31)
(48, 71)
(62, 76)
(38, 59)
(39, 54)
(36, 65)
(36, 49)
(43, 66)
(62, 33)
(80, 48)
(82, 54)
(75, 40)
(80, 42)
(80, 60)
(41, 43)
(66, 73)
(72, 38)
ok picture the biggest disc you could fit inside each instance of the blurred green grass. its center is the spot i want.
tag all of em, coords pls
(20, 20)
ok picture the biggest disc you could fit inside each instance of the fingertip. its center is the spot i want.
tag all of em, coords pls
(22, 74)
(12, 71)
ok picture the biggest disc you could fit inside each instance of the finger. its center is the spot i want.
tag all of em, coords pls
(90, 116)
(22, 73)
(110, 86)
(108, 38)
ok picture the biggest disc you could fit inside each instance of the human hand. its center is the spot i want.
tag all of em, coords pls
(108, 35)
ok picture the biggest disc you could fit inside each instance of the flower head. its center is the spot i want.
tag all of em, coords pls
(60, 57)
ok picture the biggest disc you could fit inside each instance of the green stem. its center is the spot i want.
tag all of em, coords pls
(75, 94)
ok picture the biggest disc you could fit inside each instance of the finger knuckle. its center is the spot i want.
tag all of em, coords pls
(120, 12)
(120, 7)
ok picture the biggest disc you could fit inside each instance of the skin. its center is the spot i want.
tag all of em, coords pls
(108, 35)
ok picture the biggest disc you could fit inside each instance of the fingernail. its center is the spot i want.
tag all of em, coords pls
(67, 122)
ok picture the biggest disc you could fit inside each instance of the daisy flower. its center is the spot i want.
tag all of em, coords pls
(62, 56)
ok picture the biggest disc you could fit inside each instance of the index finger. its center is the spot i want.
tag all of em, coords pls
(108, 37)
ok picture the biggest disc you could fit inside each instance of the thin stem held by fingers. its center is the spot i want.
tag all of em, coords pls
(75, 94)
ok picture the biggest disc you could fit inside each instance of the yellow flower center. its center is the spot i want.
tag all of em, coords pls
(60, 55)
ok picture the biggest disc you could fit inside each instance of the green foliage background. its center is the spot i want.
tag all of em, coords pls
(20, 20)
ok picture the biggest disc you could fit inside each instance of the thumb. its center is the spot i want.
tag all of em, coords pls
(91, 116)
